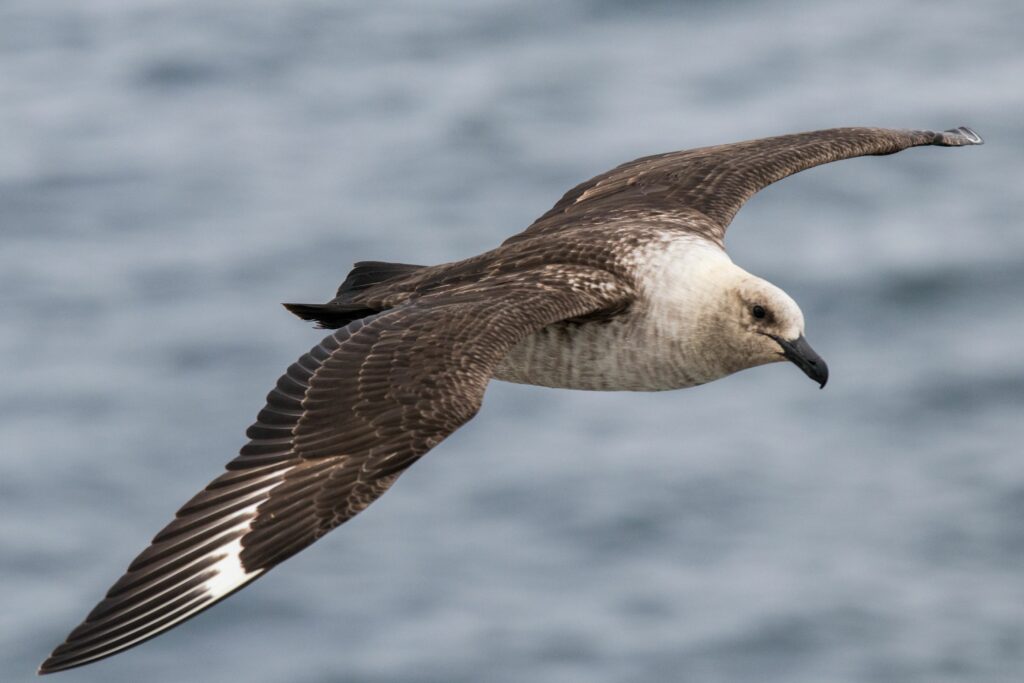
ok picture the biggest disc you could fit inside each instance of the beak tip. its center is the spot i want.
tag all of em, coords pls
(820, 374)
(804, 357)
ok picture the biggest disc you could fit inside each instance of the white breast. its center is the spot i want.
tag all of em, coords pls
(654, 346)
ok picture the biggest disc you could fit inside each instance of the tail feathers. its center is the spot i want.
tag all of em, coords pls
(330, 316)
(365, 274)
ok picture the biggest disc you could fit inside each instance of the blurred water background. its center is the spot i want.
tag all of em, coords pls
(170, 171)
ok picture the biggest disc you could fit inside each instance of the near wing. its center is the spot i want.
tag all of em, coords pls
(338, 429)
(717, 181)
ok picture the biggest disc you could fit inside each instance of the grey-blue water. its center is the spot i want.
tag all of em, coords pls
(170, 171)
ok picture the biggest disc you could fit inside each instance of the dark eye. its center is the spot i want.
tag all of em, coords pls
(759, 312)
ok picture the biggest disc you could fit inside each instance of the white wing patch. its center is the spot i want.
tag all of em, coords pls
(187, 573)
(230, 574)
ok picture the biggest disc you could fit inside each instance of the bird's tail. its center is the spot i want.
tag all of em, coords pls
(330, 316)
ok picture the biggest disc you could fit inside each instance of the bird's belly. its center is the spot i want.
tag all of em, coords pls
(601, 356)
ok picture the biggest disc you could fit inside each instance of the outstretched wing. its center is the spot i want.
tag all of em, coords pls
(339, 428)
(717, 181)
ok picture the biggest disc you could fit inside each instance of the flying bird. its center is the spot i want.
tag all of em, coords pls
(623, 285)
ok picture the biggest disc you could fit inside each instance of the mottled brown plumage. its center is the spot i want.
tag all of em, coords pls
(416, 346)
(716, 181)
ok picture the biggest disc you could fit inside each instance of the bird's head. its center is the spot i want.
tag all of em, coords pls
(765, 325)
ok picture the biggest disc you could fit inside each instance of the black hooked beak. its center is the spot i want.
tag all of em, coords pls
(804, 357)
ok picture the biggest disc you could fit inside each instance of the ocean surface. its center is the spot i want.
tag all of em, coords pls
(171, 171)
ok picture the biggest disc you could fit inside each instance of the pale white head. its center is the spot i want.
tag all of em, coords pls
(746, 321)
(768, 326)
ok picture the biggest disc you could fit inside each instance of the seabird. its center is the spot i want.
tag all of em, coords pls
(623, 285)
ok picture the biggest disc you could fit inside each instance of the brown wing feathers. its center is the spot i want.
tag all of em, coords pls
(717, 181)
(338, 429)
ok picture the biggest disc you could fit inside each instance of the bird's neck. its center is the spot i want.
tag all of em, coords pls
(686, 289)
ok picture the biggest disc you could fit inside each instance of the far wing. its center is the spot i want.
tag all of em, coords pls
(717, 181)
(340, 427)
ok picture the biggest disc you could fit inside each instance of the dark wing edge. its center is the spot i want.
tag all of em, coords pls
(337, 430)
(718, 180)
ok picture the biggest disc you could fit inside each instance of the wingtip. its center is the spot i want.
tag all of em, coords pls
(54, 664)
(957, 137)
(48, 666)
